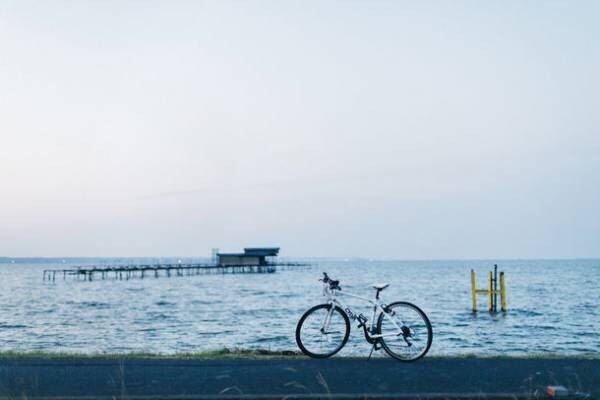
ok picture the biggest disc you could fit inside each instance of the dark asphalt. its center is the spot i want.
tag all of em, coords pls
(292, 378)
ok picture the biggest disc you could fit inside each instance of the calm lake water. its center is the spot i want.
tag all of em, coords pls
(553, 308)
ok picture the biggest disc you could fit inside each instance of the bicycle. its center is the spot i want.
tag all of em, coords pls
(402, 330)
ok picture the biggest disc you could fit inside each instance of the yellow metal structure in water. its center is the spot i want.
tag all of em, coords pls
(492, 291)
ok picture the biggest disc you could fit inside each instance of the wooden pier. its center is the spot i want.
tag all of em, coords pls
(141, 271)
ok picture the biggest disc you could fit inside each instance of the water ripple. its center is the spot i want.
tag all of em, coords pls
(552, 308)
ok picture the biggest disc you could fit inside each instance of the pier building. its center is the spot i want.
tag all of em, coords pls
(250, 256)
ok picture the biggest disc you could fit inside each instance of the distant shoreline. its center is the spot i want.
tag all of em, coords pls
(91, 259)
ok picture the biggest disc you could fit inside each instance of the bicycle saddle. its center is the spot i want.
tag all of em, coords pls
(380, 286)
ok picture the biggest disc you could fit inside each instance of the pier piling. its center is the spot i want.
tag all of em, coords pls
(492, 291)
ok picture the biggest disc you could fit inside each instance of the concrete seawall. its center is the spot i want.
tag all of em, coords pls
(294, 378)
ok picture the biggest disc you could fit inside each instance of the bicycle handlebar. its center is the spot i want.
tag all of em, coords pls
(332, 283)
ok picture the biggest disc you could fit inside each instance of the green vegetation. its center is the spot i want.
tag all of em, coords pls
(223, 353)
(251, 354)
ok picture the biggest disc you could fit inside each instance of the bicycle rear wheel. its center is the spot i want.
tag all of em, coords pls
(322, 331)
(414, 338)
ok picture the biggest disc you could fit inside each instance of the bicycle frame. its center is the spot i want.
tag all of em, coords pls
(378, 308)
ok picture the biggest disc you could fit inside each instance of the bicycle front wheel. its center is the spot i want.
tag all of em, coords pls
(406, 331)
(322, 331)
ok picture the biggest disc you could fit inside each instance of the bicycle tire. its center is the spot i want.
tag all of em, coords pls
(307, 314)
(426, 322)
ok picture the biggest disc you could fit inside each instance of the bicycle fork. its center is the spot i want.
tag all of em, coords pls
(327, 320)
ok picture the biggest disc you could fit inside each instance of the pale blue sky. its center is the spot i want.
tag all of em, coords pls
(373, 129)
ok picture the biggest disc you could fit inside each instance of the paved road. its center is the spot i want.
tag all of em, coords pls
(333, 378)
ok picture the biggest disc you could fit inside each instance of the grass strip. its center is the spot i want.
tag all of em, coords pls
(226, 353)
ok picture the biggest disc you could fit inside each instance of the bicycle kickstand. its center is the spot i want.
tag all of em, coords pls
(371, 352)
(375, 347)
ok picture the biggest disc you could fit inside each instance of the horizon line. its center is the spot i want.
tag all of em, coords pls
(333, 258)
